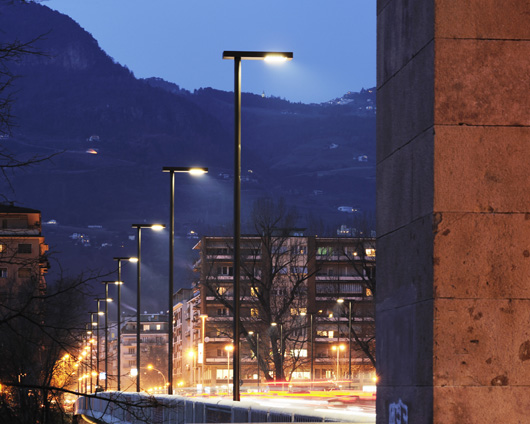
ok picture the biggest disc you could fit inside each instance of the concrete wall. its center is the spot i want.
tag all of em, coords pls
(453, 199)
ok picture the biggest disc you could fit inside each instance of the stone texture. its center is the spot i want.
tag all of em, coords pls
(472, 172)
(485, 19)
(473, 85)
(404, 28)
(473, 347)
(407, 103)
(482, 256)
(480, 405)
(405, 273)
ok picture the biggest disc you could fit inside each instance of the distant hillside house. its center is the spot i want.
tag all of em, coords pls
(362, 158)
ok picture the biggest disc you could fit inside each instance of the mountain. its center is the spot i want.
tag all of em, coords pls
(112, 133)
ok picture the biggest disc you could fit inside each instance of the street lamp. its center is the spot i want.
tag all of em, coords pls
(155, 227)
(310, 343)
(99, 313)
(192, 171)
(228, 348)
(191, 354)
(119, 283)
(257, 352)
(151, 367)
(338, 348)
(238, 56)
(107, 330)
(274, 324)
(93, 324)
(349, 338)
(203, 356)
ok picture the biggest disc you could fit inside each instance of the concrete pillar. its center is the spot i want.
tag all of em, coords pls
(453, 205)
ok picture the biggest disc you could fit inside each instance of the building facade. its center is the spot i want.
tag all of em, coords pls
(23, 261)
(298, 294)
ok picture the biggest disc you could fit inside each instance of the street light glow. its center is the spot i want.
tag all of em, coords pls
(275, 58)
(198, 171)
(157, 227)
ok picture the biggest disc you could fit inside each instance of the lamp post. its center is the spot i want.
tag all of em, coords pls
(99, 313)
(151, 367)
(310, 344)
(156, 227)
(203, 357)
(274, 324)
(172, 170)
(238, 56)
(228, 348)
(338, 348)
(107, 330)
(257, 352)
(93, 324)
(349, 339)
(119, 283)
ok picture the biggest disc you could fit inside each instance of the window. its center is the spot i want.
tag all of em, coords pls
(370, 253)
(147, 327)
(254, 291)
(24, 273)
(158, 327)
(368, 292)
(254, 312)
(322, 333)
(299, 249)
(225, 270)
(131, 351)
(299, 353)
(324, 251)
(222, 374)
(222, 311)
(24, 248)
(298, 311)
(221, 290)
(3, 247)
(298, 270)
(3, 272)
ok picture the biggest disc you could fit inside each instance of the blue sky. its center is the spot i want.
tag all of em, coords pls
(182, 41)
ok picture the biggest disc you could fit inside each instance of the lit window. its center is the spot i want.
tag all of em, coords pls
(298, 311)
(370, 253)
(322, 333)
(3, 247)
(368, 292)
(254, 291)
(221, 290)
(147, 327)
(254, 312)
(158, 327)
(299, 353)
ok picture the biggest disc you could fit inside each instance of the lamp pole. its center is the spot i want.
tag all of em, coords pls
(257, 352)
(349, 337)
(139, 227)
(274, 324)
(93, 324)
(119, 282)
(203, 359)
(108, 299)
(99, 312)
(228, 348)
(237, 57)
(172, 170)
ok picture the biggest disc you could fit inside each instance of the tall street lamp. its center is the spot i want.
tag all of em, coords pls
(257, 352)
(93, 324)
(191, 354)
(119, 283)
(107, 330)
(99, 313)
(274, 324)
(238, 56)
(310, 344)
(155, 227)
(192, 171)
(349, 338)
(338, 348)
(228, 348)
(202, 358)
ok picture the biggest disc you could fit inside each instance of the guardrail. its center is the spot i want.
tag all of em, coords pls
(141, 408)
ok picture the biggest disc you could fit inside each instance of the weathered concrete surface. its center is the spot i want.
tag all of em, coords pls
(453, 327)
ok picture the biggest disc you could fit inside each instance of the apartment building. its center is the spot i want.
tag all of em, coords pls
(23, 261)
(307, 311)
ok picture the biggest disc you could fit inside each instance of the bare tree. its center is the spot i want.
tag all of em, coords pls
(275, 268)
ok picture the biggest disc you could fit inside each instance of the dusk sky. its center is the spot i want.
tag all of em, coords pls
(333, 42)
